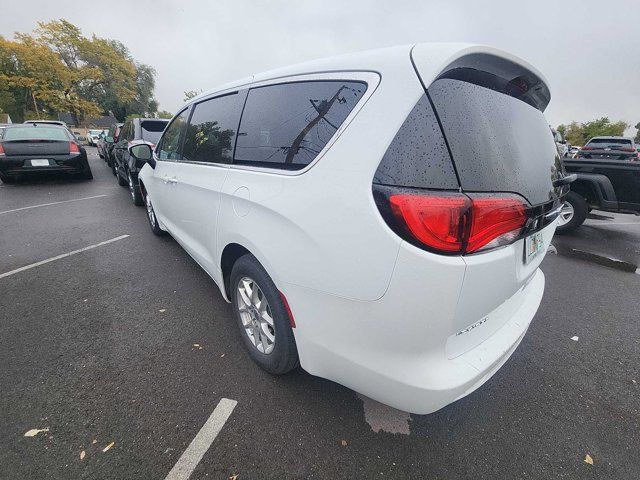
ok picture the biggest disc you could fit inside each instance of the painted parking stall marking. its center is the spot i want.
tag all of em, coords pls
(49, 204)
(58, 257)
(189, 460)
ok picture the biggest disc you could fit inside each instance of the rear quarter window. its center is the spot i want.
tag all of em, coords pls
(285, 126)
(418, 155)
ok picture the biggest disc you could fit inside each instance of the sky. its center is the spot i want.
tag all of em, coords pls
(588, 50)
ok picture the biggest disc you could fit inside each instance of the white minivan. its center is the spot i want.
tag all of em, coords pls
(377, 218)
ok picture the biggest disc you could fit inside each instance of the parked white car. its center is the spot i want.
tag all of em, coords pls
(378, 218)
(93, 136)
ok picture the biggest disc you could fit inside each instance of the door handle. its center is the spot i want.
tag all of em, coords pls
(167, 179)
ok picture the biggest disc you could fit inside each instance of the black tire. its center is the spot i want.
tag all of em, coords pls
(134, 190)
(121, 181)
(7, 179)
(580, 210)
(284, 356)
(86, 171)
(152, 219)
(112, 164)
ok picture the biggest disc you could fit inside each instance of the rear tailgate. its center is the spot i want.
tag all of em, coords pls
(490, 110)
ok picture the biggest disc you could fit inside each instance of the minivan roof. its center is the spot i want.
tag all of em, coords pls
(433, 59)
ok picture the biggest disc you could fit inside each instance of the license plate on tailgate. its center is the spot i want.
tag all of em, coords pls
(39, 162)
(533, 245)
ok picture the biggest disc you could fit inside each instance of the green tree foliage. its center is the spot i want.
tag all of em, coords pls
(57, 69)
(637, 137)
(580, 133)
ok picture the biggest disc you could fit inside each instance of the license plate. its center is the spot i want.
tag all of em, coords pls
(39, 163)
(533, 245)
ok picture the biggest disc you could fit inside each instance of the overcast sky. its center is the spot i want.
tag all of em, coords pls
(588, 50)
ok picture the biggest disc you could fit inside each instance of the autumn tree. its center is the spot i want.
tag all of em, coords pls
(57, 69)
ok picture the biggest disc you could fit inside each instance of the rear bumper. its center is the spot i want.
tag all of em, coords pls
(16, 166)
(405, 349)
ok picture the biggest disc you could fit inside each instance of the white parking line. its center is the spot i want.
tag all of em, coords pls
(58, 257)
(48, 204)
(189, 460)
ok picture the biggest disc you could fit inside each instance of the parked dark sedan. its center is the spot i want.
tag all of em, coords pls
(126, 168)
(37, 149)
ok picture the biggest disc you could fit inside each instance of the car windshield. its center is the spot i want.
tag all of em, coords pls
(35, 133)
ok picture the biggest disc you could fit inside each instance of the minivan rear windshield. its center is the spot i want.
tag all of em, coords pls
(498, 143)
(152, 130)
(35, 133)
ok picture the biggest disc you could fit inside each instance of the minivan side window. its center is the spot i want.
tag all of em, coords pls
(211, 133)
(285, 126)
(169, 148)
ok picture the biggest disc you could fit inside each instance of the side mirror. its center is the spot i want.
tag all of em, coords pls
(143, 153)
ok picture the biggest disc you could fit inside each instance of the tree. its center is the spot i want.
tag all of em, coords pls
(57, 69)
(164, 114)
(562, 129)
(189, 94)
(580, 133)
(637, 137)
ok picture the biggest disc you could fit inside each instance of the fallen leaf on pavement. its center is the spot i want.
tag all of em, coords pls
(108, 447)
(343, 443)
(94, 441)
(162, 310)
(588, 459)
(575, 339)
(234, 476)
(34, 431)
(82, 454)
(224, 354)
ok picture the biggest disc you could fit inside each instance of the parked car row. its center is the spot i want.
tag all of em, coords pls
(115, 147)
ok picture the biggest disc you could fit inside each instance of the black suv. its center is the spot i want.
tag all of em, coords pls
(125, 167)
(608, 179)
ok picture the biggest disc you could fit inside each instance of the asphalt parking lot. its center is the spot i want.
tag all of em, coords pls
(123, 351)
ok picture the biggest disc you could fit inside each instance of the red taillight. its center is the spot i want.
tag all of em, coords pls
(628, 149)
(73, 147)
(495, 222)
(1, 150)
(458, 224)
(437, 221)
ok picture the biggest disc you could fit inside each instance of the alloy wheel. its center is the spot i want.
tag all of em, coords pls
(256, 315)
(566, 214)
(132, 187)
(150, 213)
